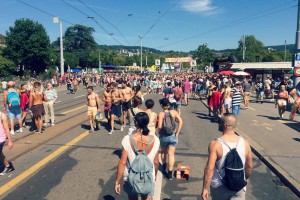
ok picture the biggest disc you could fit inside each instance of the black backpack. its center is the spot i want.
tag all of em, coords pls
(234, 178)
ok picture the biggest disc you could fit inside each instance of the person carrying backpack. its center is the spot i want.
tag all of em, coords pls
(229, 164)
(139, 161)
(12, 105)
(168, 135)
(4, 133)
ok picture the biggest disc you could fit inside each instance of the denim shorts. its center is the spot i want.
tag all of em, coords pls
(14, 113)
(177, 105)
(168, 140)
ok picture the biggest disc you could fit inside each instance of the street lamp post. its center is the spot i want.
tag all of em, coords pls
(57, 20)
(99, 61)
(297, 50)
(141, 37)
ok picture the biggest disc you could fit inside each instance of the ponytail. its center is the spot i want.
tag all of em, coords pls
(145, 130)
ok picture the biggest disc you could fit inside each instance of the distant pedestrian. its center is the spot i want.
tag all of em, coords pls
(51, 96)
(152, 116)
(283, 98)
(214, 173)
(93, 103)
(24, 103)
(4, 133)
(168, 135)
(237, 98)
(295, 101)
(246, 89)
(215, 102)
(12, 105)
(187, 91)
(116, 110)
(36, 99)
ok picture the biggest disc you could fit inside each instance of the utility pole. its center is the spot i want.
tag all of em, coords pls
(99, 61)
(297, 50)
(244, 47)
(141, 37)
(284, 50)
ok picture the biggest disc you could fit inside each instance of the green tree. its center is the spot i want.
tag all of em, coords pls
(79, 41)
(28, 45)
(254, 52)
(204, 56)
(7, 67)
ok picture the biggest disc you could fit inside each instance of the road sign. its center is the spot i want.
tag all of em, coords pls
(297, 71)
(194, 63)
(297, 60)
(157, 61)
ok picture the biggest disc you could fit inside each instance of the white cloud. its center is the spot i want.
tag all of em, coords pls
(203, 6)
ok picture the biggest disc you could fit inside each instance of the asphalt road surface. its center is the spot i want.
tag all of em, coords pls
(67, 162)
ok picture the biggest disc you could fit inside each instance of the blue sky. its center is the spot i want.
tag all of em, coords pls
(180, 25)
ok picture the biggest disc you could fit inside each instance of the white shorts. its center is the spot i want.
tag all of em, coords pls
(281, 102)
(227, 103)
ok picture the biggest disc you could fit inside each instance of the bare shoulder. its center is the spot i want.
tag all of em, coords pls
(213, 145)
(247, 144)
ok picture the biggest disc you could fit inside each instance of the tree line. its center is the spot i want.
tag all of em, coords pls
(28, 51)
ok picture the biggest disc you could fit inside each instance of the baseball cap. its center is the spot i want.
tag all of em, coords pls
(10, 83)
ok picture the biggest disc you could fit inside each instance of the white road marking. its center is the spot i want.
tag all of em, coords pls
(79, 96)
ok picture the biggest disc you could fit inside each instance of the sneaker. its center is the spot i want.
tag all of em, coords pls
(19, 130)
(32, 129)
(40, 133)
(45, 124)
(12, 132)
(170, 175)
(52, 124)
(111, 132)
(122, 128)
(6, 170)
(92, 130)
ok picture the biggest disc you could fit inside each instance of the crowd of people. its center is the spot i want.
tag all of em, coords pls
(149, 131)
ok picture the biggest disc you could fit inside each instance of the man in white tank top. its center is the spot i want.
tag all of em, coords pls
(217, 154)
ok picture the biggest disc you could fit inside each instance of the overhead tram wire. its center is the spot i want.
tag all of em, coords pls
(152, 26)
(49, 14)
(92, 19)
(105, 20)
(234, 23)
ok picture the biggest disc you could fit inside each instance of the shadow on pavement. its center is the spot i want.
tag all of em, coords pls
(293, 125)
(40, 184)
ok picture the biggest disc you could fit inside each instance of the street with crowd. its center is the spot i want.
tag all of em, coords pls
(151, 136)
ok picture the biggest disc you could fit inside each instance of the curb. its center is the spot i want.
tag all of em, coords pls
(284, 177)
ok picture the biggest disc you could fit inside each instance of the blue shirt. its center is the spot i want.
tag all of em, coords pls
(51, 94)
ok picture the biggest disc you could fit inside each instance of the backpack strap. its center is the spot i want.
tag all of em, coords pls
(237, 143)
(133, 144)
(132, 112)
(223, 142)
(149, 142)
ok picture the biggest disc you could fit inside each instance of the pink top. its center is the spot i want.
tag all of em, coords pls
(2, 131)
(187, 87)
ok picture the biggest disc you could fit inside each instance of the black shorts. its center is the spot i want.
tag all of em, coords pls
(1, 148)
(126, 105)
(116, 110)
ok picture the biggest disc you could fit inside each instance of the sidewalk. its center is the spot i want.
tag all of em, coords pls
(275, 141)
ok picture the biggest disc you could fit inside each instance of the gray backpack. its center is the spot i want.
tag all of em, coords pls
(140, 172)
(168, 125)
